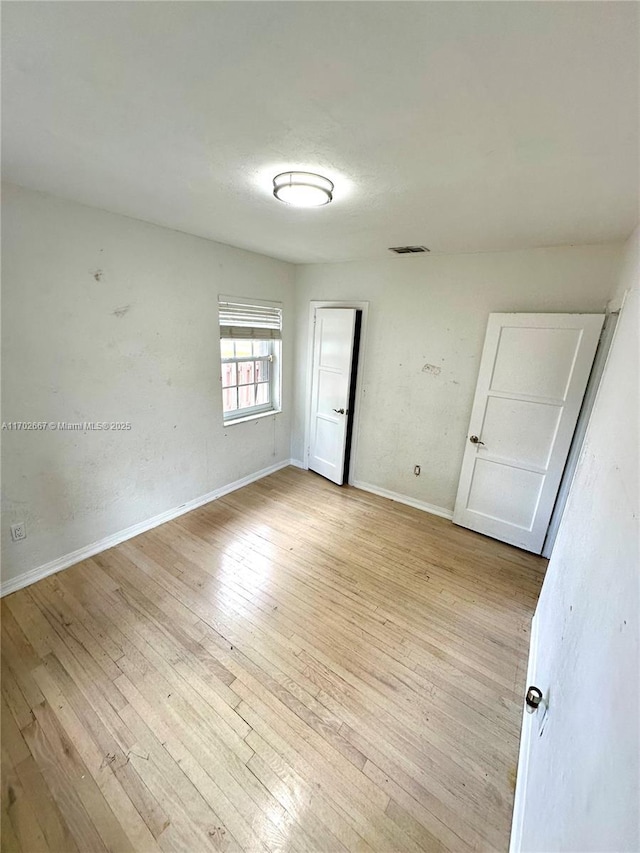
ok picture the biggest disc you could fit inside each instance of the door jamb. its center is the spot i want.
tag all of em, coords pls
(526, 736)
(582, 424)
(332, 303)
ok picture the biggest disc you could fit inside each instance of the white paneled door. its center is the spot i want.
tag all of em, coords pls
(333, 346)
(532, 379)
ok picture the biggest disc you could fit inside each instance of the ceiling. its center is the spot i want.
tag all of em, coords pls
(463, 126)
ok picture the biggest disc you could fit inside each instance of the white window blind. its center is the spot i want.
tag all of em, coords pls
(256, 322)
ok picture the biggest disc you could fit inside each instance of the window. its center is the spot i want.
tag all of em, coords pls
(250, 357)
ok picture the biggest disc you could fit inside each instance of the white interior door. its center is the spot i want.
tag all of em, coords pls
(532, 379)
(333, 343)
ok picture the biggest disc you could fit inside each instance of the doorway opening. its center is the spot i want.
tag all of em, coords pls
(335, 358)
(352, 396)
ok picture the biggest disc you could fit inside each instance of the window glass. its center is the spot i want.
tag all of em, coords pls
(245, 372)
(262, 393)
(226, 348)
(243, 349)
(262, 371)
(247, 379)
(246, 396)
(229, 399)
(229, 374)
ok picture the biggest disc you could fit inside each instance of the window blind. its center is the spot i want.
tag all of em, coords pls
(256, 322)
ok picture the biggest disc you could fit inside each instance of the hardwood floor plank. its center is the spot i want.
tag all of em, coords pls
(171, 772)
(72, 746)
(315, 835)
(428, 842)
(307, 796)
(49, 758)
(114, 746)
(12, 693)
(9, 842)
(20, 655)
(220, 789)
(13, 742)
(294, 668)
(48, 814)
(360, 802)
(17, 808)
(98, 761)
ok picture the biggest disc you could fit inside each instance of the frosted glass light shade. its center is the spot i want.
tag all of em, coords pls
(302, 189)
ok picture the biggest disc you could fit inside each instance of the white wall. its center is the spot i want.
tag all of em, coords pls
(135, 342)
(427, 320)
(583, 791)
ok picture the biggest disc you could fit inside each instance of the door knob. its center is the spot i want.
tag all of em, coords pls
(533, 699)
(339, 411)
(475, 440)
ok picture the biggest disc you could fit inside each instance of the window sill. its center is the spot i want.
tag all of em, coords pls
(247, 418)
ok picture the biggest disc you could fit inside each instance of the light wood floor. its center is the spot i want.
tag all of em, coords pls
(294, 667)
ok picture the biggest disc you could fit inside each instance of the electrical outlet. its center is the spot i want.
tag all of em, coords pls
(416, 470)
(19, 531)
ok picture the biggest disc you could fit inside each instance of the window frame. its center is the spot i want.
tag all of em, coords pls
(250, 317)
(249, 412)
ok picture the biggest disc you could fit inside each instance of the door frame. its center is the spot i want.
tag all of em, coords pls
(335, 303)
(526, 734)
(582, 424)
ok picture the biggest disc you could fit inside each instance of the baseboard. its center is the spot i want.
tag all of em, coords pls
(50, 568)
(403, 499)
(297, 464)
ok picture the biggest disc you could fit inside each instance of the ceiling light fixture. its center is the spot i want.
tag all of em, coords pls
(302, 189)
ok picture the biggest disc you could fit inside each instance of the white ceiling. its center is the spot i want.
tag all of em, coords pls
(462, 126)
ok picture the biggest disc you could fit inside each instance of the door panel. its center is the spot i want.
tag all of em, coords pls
(324, 438)
(330, 387)
(535, 362)
(530, 433)
(492, 481)
(330, 390)
(532, 379)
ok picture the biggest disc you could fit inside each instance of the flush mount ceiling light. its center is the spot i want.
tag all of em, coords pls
(302, 189)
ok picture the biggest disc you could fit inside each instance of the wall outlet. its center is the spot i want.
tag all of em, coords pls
(19, 531)
(416, 470)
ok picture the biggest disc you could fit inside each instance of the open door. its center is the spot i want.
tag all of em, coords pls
(532, 379)
(331, 383)
(578, 779)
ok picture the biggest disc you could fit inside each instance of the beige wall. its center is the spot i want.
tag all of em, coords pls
(136, 342)
(427, 320)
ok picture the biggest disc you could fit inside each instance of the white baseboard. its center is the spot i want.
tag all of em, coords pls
(50, 568)
(403, 499)
(298, 464)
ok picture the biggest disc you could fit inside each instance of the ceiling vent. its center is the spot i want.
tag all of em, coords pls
(408, 250)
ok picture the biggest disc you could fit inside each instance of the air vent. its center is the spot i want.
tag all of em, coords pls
(408, 250)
